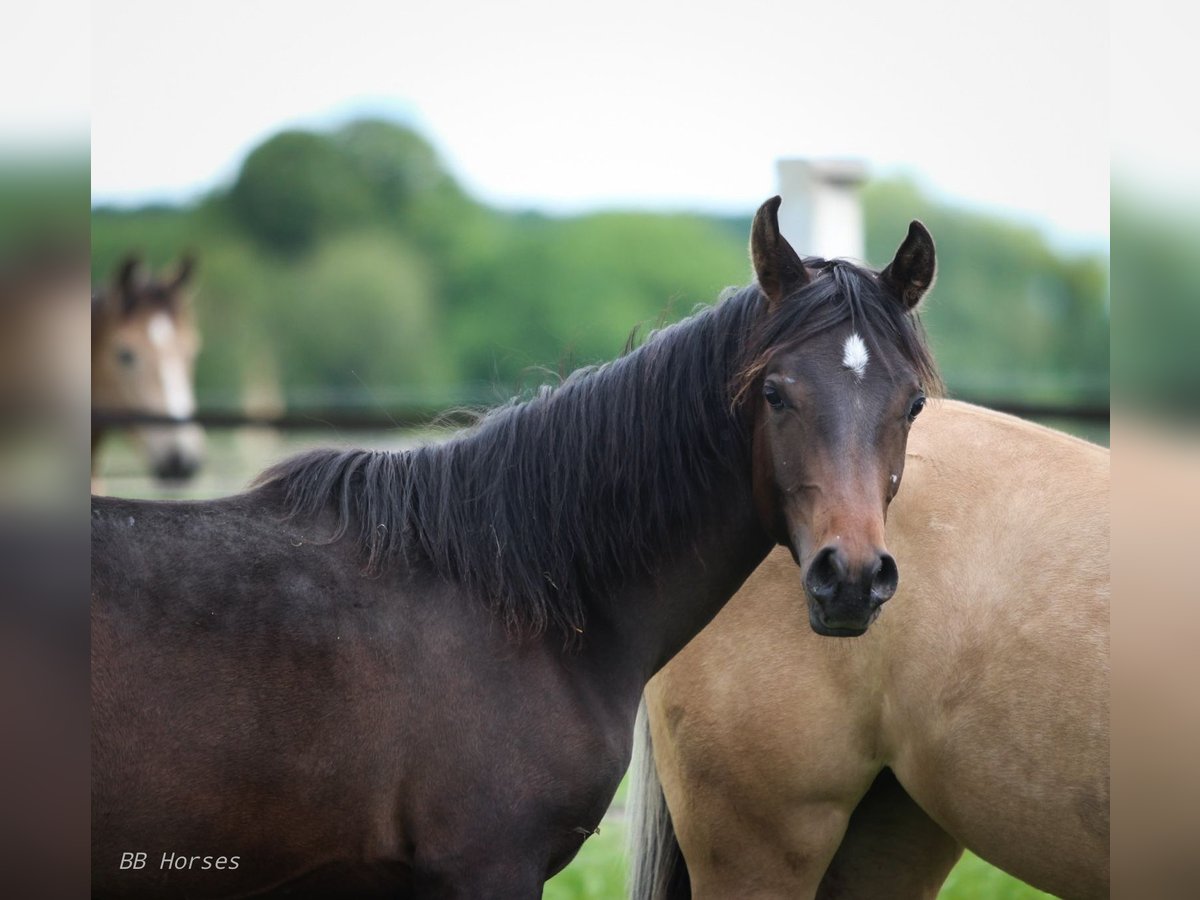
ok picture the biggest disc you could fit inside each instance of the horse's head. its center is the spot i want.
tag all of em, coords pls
(841, 371)
(144, 345)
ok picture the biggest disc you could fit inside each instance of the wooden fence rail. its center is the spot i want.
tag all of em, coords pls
(352, 419)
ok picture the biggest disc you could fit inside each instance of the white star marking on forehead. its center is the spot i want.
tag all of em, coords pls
(855, 356)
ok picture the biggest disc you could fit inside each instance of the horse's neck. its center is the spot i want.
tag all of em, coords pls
(642, 625)
(639, 631)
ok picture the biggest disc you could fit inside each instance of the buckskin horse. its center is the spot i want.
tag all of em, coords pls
(974, 713)
(417, 673)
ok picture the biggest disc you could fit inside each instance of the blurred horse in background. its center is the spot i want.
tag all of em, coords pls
(974, 713)
(144, 345)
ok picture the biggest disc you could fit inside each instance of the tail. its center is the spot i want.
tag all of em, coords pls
(657, 869)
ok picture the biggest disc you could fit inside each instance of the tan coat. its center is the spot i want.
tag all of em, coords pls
(983, 686)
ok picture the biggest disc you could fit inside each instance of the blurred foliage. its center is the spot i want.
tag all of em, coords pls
(1009, 318)
(1154, 275)
(43, 201)
(298, 187)
(352, 263)
(566, 292)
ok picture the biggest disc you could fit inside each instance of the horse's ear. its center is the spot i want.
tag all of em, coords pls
(130, 273)
(910, 274)
(778, 267)
(185, 271)
(131, 276)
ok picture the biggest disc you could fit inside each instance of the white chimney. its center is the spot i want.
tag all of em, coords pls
(822, 213)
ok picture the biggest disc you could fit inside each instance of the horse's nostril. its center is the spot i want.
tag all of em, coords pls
(830, 575)
(885, 579)
(827, 570)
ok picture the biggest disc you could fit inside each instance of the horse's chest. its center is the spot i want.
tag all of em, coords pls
(531, 767)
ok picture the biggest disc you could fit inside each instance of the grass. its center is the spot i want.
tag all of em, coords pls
(973, 879)
(598, 873)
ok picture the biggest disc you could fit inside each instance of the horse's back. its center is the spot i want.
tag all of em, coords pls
(225, 573)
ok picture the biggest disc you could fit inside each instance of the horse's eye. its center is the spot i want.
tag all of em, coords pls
(915, 409)
(773, 396)
(126, 357)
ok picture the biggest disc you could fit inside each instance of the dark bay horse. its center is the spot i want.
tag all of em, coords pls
(974, 713)
(144, 345)
(416, 674)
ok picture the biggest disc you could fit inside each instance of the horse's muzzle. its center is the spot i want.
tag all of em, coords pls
(177, 465)
(845, 599)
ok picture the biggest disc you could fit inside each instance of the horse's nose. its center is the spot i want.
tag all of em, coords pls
(885, 578)
(848, 594)
(177, 465)
(828, 570)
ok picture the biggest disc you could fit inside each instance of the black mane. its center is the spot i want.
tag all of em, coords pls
(549, 503)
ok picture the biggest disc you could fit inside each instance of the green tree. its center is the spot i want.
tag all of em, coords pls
(1009, 317)
(402, 171)
(373, 271)
(297, 187)
(359, 316)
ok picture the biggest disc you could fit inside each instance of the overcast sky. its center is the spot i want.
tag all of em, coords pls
(568, 106)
